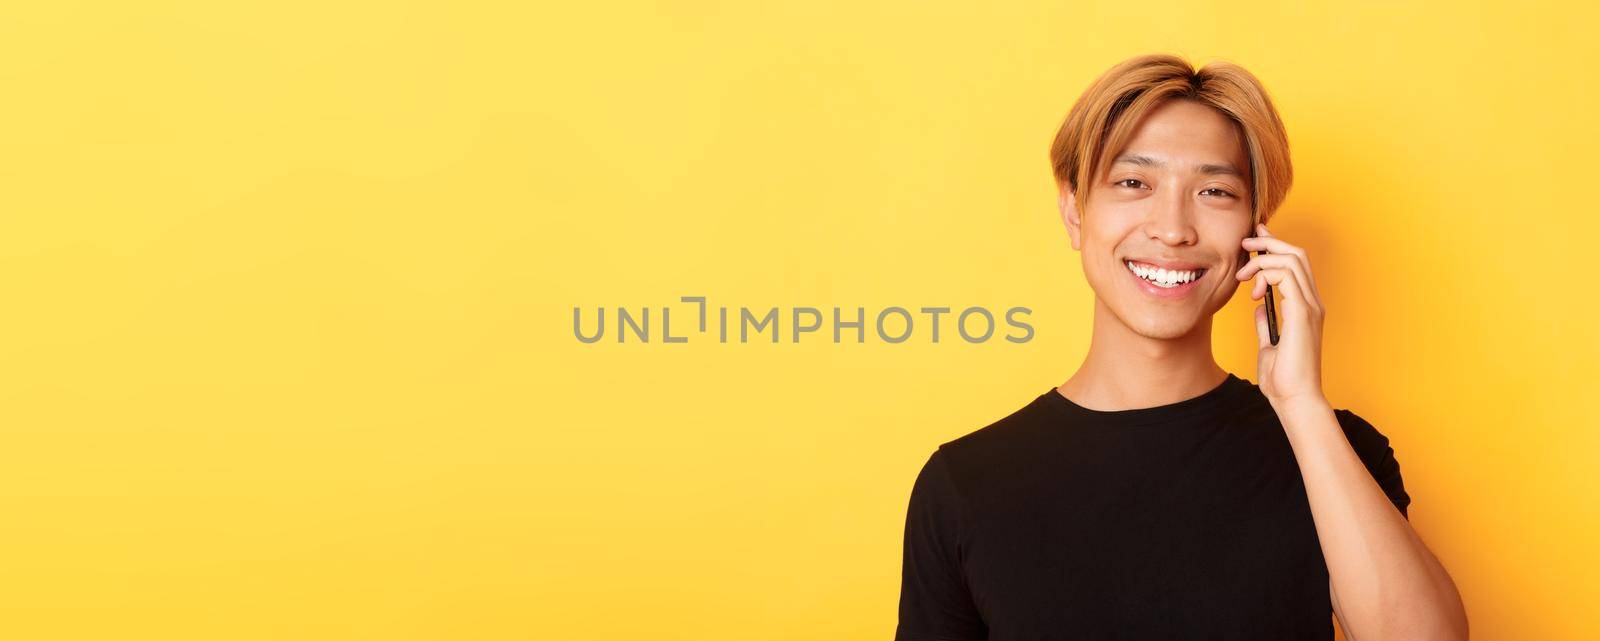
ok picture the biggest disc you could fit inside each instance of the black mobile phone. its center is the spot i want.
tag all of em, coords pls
(1272, 311)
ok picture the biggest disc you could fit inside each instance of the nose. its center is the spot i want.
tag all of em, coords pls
(1171, 219)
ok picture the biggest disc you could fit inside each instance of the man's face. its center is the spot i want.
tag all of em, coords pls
(1176, 197)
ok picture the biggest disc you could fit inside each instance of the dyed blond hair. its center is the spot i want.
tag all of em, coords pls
(1103, 120)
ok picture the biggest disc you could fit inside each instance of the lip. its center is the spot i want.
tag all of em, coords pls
(1165, 292)
(1171, 265)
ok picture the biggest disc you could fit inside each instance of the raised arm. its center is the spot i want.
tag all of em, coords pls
(1383, 581)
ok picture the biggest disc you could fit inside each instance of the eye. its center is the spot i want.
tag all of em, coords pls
(1220, 191)
(1131, 180)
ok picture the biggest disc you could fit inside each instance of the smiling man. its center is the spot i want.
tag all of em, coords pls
(1154, 494)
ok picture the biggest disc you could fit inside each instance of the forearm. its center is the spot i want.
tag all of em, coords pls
(1389, 585)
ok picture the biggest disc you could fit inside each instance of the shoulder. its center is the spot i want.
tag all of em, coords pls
(1362, 434)
(1377, 454)
(1003, 455)
(1018, 431)
(985, 442)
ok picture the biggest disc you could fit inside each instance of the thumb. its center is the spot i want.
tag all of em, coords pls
(1264, 340)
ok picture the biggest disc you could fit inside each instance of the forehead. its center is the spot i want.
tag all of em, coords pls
(1187, 133)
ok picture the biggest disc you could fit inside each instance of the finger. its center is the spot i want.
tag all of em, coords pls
(1276, 247)
(1263, 336)
(1295, 308)
(1282, 261)
(1273, 245)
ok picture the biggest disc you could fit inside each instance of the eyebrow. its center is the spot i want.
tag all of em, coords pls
(1209, 169)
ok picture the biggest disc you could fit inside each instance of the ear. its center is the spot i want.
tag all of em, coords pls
(1070, 216)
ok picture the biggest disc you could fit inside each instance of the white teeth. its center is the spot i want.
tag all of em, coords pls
(1162, 277)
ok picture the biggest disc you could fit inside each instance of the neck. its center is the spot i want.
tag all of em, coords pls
(1126, 370)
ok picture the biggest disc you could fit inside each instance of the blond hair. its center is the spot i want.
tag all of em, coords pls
(1103, 119)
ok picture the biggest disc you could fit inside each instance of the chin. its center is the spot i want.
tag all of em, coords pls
(1160, 324)
(1163, 329)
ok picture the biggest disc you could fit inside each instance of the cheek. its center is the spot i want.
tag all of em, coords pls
(1110, 231)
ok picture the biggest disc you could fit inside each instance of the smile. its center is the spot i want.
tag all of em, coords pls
(1164, 283)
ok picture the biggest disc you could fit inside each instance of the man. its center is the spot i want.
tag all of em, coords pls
(1155, 495)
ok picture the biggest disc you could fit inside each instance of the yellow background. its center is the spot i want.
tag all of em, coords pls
(288, 292)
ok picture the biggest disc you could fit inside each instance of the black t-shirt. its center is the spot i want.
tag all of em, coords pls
(1183, 521)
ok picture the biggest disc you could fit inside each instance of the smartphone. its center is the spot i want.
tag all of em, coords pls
(1272, 311)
